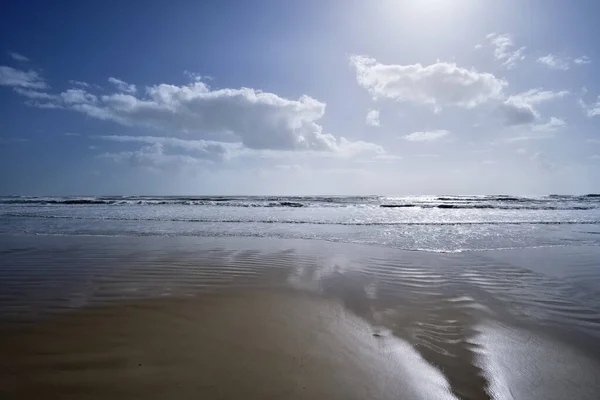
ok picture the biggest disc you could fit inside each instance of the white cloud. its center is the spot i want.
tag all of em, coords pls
(155, 158)
(519, 109)
(18, 57)
(85, 85)
(23, 79)
(542, 130)
(555, 62)
(504, 49)
(521, 151)
(372, 118)
(79, 83)
(582, 60)
(347, 148)
(78, 96)
(204, 149)
(34, 94)
(258, 120)
(552, 125)
(536, 96)
(593, 141)
(523, 138)
(440, 84)
(195, 77)
(591, 110)
(562, 63)
(71, 134)
(595, 157)
(45, 105)
(159, 153)
(122, 86)
(427, 136)
(444, 84)
(545, 130)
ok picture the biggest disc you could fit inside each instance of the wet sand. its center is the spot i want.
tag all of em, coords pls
(254, 345)
(239, 318)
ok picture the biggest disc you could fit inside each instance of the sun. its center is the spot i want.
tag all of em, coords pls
(427, 12)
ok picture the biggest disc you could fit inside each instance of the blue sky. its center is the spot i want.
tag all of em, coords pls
(299, 97)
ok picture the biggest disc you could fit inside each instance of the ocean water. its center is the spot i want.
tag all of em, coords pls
(501, 294)
(427, 223)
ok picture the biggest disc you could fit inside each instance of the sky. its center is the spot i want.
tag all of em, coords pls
(390, 97)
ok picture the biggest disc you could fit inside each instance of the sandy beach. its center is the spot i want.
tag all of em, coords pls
(253, 345)
(227, 318)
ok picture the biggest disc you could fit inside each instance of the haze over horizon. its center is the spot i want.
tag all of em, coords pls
(311, 97)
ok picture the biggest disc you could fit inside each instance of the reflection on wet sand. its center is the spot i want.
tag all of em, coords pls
(289, 319)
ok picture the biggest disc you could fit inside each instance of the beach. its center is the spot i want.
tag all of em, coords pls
(127, 301)
(260, 318)
(235, 345)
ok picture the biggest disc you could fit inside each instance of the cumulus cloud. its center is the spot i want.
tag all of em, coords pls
(78, 96)
(440, 84)
(372, 118)
(122, 86)
(426, 136)
(505, 50)
(18, 57)
(22, 79)
(259, 120)
(562, 63)
(519, 109)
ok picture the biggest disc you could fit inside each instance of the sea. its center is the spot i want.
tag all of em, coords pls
(498, 287)
(444, 224)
